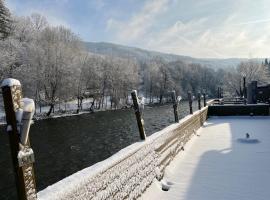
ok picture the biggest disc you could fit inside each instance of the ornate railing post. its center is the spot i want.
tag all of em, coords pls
(22, 154)
(175, 107)
(138, 114)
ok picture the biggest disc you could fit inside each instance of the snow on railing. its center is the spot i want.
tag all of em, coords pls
(128, 173)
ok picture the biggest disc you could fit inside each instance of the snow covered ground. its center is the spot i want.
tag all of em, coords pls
(70, 108)
(220, 163)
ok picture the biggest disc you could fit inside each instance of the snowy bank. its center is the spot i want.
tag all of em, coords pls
(129, 172)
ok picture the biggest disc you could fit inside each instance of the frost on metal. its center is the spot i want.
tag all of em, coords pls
(128, 173)
(10, 82)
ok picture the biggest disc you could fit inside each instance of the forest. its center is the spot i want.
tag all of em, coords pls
(55, 67)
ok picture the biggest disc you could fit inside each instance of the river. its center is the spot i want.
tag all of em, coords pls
(65, 145)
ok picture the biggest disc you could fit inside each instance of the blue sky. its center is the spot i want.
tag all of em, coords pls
(198, 28)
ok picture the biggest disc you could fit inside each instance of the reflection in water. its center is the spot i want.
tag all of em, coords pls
(66, 145)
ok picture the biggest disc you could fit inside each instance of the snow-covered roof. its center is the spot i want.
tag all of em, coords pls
(219, 164)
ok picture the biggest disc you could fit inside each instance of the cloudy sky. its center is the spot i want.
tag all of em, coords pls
(198, 28)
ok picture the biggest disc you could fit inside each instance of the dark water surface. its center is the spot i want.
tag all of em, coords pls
(63, 146)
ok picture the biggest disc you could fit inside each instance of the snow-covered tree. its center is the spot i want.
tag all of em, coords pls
(5, 21)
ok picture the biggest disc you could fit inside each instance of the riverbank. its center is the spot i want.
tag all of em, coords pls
(72, 110)
(57, 114)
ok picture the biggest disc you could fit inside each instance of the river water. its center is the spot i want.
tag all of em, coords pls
(65, 145)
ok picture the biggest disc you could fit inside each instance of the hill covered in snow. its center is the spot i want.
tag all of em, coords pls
(142, 55)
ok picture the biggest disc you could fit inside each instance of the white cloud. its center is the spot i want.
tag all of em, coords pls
(51, 18)
(208, 28)
(140, 23)
(238, 33)
(257, 21)
(185, 39)
(193, 38)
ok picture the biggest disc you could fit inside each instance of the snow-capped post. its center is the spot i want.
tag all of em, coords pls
(138, 114)
(199, 101)
(204, 99)
(22, 154)
(190, 102)
(175, 107)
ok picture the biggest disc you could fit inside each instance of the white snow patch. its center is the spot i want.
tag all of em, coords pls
(10, 82)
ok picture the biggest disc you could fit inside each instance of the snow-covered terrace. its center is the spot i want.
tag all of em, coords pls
(220, 163)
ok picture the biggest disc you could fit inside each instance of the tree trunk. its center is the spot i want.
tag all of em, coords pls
(160, 98)
(51, 109)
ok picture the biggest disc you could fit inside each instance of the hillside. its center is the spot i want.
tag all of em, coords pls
(104, 48)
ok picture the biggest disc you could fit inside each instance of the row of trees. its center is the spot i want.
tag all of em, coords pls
(160, 77)
(232, 79)
(54, 67)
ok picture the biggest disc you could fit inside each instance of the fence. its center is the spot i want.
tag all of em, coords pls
(129, 172)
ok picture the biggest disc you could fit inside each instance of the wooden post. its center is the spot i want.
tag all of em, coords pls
(138, 114)
(218, 93)
(199, 101)
(190, 103)
(204, 99)
(23, 170)
(175, 105)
